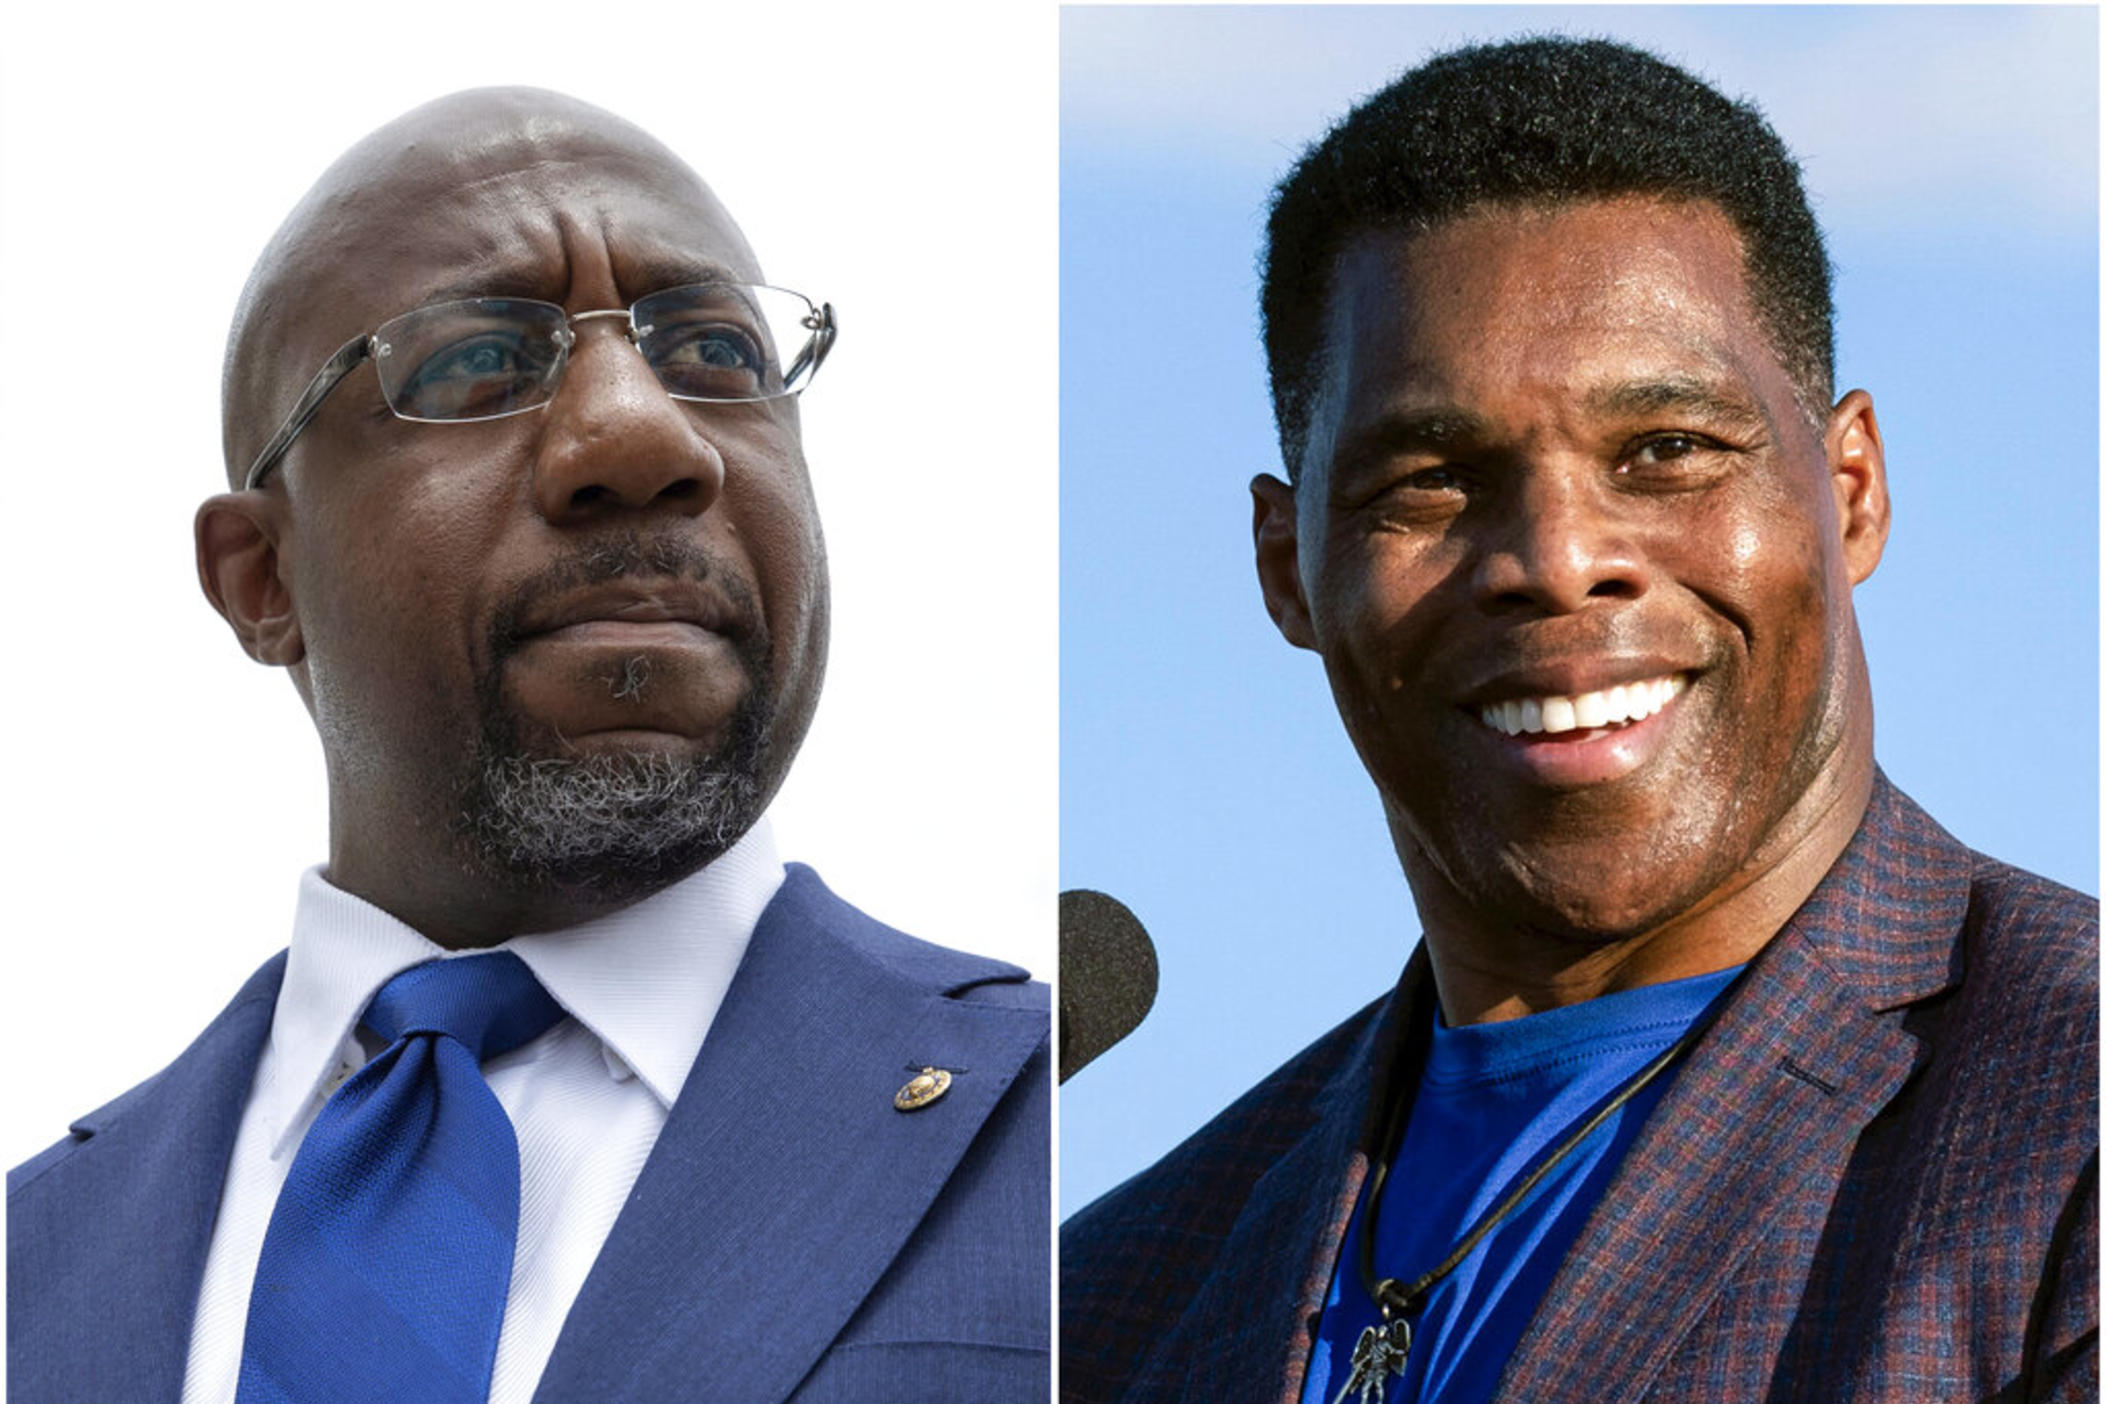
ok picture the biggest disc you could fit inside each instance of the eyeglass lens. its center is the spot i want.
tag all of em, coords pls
(478, 359)
(487, 357)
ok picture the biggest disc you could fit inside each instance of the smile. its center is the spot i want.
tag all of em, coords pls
(1615, 706)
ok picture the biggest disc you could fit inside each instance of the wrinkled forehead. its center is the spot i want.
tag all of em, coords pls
(521, 194)
(546, 203)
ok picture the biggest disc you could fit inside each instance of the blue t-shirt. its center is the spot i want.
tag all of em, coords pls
(1493, 1100)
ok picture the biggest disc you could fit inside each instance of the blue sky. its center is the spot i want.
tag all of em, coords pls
(1951, 154)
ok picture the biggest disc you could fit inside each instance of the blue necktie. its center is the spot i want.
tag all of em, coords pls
(387, 1260)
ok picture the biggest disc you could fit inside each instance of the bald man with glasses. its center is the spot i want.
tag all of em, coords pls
(567, 1086)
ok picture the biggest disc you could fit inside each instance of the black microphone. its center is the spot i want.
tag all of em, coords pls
(1107, 976)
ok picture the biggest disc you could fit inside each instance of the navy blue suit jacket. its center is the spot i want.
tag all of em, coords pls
(792, 1234)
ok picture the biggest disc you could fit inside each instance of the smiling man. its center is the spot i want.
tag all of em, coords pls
(1722, 1072)
(566, 1088)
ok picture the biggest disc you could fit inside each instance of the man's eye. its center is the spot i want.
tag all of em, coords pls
(475, 376)
(721, 348)
(483, 356)
(1434, 480)
(1425, 486)
(710, 361)
(1420, 493)
(1661, 449)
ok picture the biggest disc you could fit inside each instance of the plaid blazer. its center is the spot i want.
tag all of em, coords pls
(1875, 1178)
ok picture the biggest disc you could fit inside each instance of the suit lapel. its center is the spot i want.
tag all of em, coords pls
(785, 1181)
(1764, 1114)
(1228, 1345)
(107, 1236)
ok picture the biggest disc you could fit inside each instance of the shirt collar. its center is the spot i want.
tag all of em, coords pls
(646, 980)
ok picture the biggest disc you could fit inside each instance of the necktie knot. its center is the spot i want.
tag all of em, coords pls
(490, 1003)
(386, 1266)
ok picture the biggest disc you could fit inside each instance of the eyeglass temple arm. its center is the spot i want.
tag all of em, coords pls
(814, 350)
(333, 370)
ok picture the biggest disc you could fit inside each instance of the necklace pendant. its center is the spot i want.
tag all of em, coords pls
(1378, 1356)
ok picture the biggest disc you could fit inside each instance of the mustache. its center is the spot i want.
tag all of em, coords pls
(659, 556)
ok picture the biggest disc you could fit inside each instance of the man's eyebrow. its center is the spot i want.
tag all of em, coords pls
(1677, 394)
(1443, 428)
(1431, 430)
(654, 275)
(639, 280)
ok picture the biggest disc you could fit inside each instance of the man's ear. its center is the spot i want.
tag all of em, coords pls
(241, 567)
(1857, 471)
(1279, 559)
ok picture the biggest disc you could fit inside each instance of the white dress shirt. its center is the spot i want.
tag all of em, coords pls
(587, 1098)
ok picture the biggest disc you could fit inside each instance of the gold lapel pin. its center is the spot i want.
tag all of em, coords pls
(926, 1086)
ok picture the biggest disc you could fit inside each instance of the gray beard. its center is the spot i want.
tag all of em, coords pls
(609, 828)
(612, 827)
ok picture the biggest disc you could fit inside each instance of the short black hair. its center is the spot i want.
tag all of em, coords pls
(1539, 122)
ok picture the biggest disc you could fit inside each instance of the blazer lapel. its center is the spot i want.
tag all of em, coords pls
(107, 1235)
(785, 1180)
(1764, 1114)
(1228, 1345)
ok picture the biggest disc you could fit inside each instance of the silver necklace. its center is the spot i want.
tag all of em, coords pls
(1380, 1354)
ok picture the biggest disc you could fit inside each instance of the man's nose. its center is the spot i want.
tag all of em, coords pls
(1559, 542)
(614, 440)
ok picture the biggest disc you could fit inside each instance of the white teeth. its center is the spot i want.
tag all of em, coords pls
(1625, 702)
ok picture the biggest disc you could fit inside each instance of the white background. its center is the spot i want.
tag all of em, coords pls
(164, 793)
